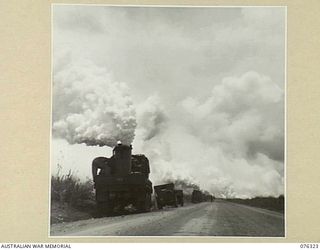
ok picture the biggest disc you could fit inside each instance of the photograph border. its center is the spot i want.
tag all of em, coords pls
(26, 115)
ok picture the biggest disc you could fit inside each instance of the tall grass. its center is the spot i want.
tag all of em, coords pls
(67, 189)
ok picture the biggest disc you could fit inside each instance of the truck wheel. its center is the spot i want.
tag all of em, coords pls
(175, 203)
(104, 208)
(145, 203)
(148, 202)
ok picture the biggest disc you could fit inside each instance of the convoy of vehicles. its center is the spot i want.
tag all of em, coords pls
(199, 196)
(122, 182)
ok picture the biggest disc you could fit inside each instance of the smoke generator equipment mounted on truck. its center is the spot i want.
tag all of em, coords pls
(122, 181)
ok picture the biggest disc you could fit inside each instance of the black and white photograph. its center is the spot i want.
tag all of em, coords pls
(168, 121)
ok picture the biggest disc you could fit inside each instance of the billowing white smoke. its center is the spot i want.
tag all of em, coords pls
(245, 115)
(231, 144)
(88, 106)
(151, 118)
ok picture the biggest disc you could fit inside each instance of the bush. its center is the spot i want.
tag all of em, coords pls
(70, 190)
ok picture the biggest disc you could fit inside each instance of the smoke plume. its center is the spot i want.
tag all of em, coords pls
(230, 143)
(151, 118)
(89, 106)
(184, 184)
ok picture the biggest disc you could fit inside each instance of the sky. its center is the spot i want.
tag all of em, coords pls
(200, 91)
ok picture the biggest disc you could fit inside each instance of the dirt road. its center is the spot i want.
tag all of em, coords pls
(204, 219)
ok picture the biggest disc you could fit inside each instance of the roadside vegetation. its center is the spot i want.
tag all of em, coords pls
(74, 199)
(71, 198)
(270, 203)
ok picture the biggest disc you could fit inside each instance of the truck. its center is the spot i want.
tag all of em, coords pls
(197, 196)
(179, 196)
(166, 195)
(121, 182)
(210, 198)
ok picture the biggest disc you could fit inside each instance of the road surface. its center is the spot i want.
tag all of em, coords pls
(218, 218)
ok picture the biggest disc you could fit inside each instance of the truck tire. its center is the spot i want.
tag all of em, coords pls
(159, 205)
(145, 203)
(175, 203)
(104, 208)
(148, 202)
